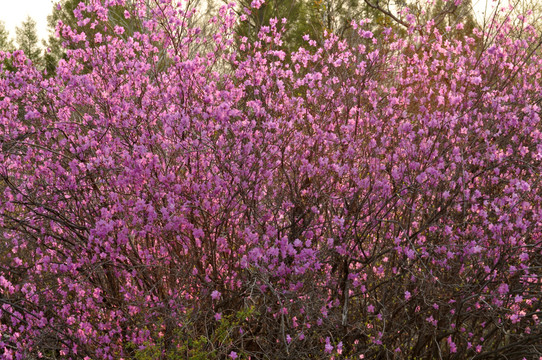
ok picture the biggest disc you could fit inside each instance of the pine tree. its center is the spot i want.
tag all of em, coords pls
(303, 18)
(64, 12)
(27, 39)
(6, 44)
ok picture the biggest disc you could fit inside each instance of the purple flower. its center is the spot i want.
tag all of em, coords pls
(215, 295)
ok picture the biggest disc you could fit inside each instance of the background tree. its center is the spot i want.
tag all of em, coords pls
(27, 39)
(339, 201)
(302, 17)
(119, 15)
(63, 11)
(6, 44)
(449, 13)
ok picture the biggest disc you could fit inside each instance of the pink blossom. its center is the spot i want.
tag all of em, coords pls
(503, 289)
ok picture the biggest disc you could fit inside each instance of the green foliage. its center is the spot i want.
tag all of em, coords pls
(27, 39)
(187, 343)
(303, 18)
(6, 44)
(64, 12)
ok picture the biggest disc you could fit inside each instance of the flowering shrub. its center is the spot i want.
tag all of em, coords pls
(378, 197)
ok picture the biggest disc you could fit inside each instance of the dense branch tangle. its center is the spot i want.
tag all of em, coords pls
(373, 191)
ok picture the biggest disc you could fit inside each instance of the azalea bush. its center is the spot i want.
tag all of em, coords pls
(374, 196)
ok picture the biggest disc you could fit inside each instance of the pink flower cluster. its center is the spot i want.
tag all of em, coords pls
(354, 196)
